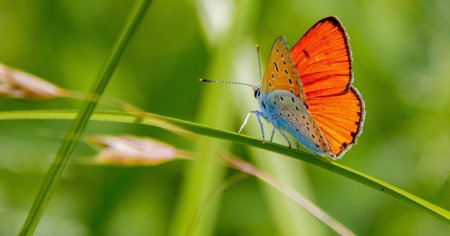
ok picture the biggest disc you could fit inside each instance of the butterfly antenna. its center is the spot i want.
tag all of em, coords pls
(259, 60)
(226, 82)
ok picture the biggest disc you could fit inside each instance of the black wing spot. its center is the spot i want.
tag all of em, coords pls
(290, 80)
(281, 114)
(286, 71)
(303, 117)
(317, 145)
(308, 128)
(278, 51)
(306, 53)
(292, 98)
(307, 123)
(296, 108)
(292, 91)
(297, 130)
(281, 98)
(281, 55)
(264, 105)
(288, 115)
(284, 62)
(276, 66)
(312, 135)
(273, 75)
(274, 103)
(270, 84)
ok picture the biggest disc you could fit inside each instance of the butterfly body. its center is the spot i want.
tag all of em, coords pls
(307, 91)
(286, 112)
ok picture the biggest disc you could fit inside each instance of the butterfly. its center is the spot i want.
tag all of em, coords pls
(308, 93)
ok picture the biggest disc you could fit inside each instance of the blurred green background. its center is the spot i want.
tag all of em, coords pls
(401, 52)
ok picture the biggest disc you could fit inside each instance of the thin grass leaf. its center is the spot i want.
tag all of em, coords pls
(291, 193)
(80, 122)
(16, 83)
(329, 165)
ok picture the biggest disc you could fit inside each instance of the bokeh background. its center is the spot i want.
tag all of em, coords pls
(401, 52)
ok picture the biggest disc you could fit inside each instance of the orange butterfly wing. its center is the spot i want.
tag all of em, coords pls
(281, 73)
(323, 61)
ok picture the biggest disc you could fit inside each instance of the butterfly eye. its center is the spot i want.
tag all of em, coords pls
(256, 93)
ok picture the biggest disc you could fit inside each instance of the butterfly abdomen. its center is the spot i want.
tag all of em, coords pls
(285, 111)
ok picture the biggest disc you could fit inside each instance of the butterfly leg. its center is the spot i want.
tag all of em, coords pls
(285, 137)
(245, 121)
(273, 133)
(258, 114)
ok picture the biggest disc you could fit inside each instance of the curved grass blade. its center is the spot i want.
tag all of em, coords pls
(291, 193)
(329, 165)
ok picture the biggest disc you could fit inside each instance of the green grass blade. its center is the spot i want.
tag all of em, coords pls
(80, 122)
(329, 165)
